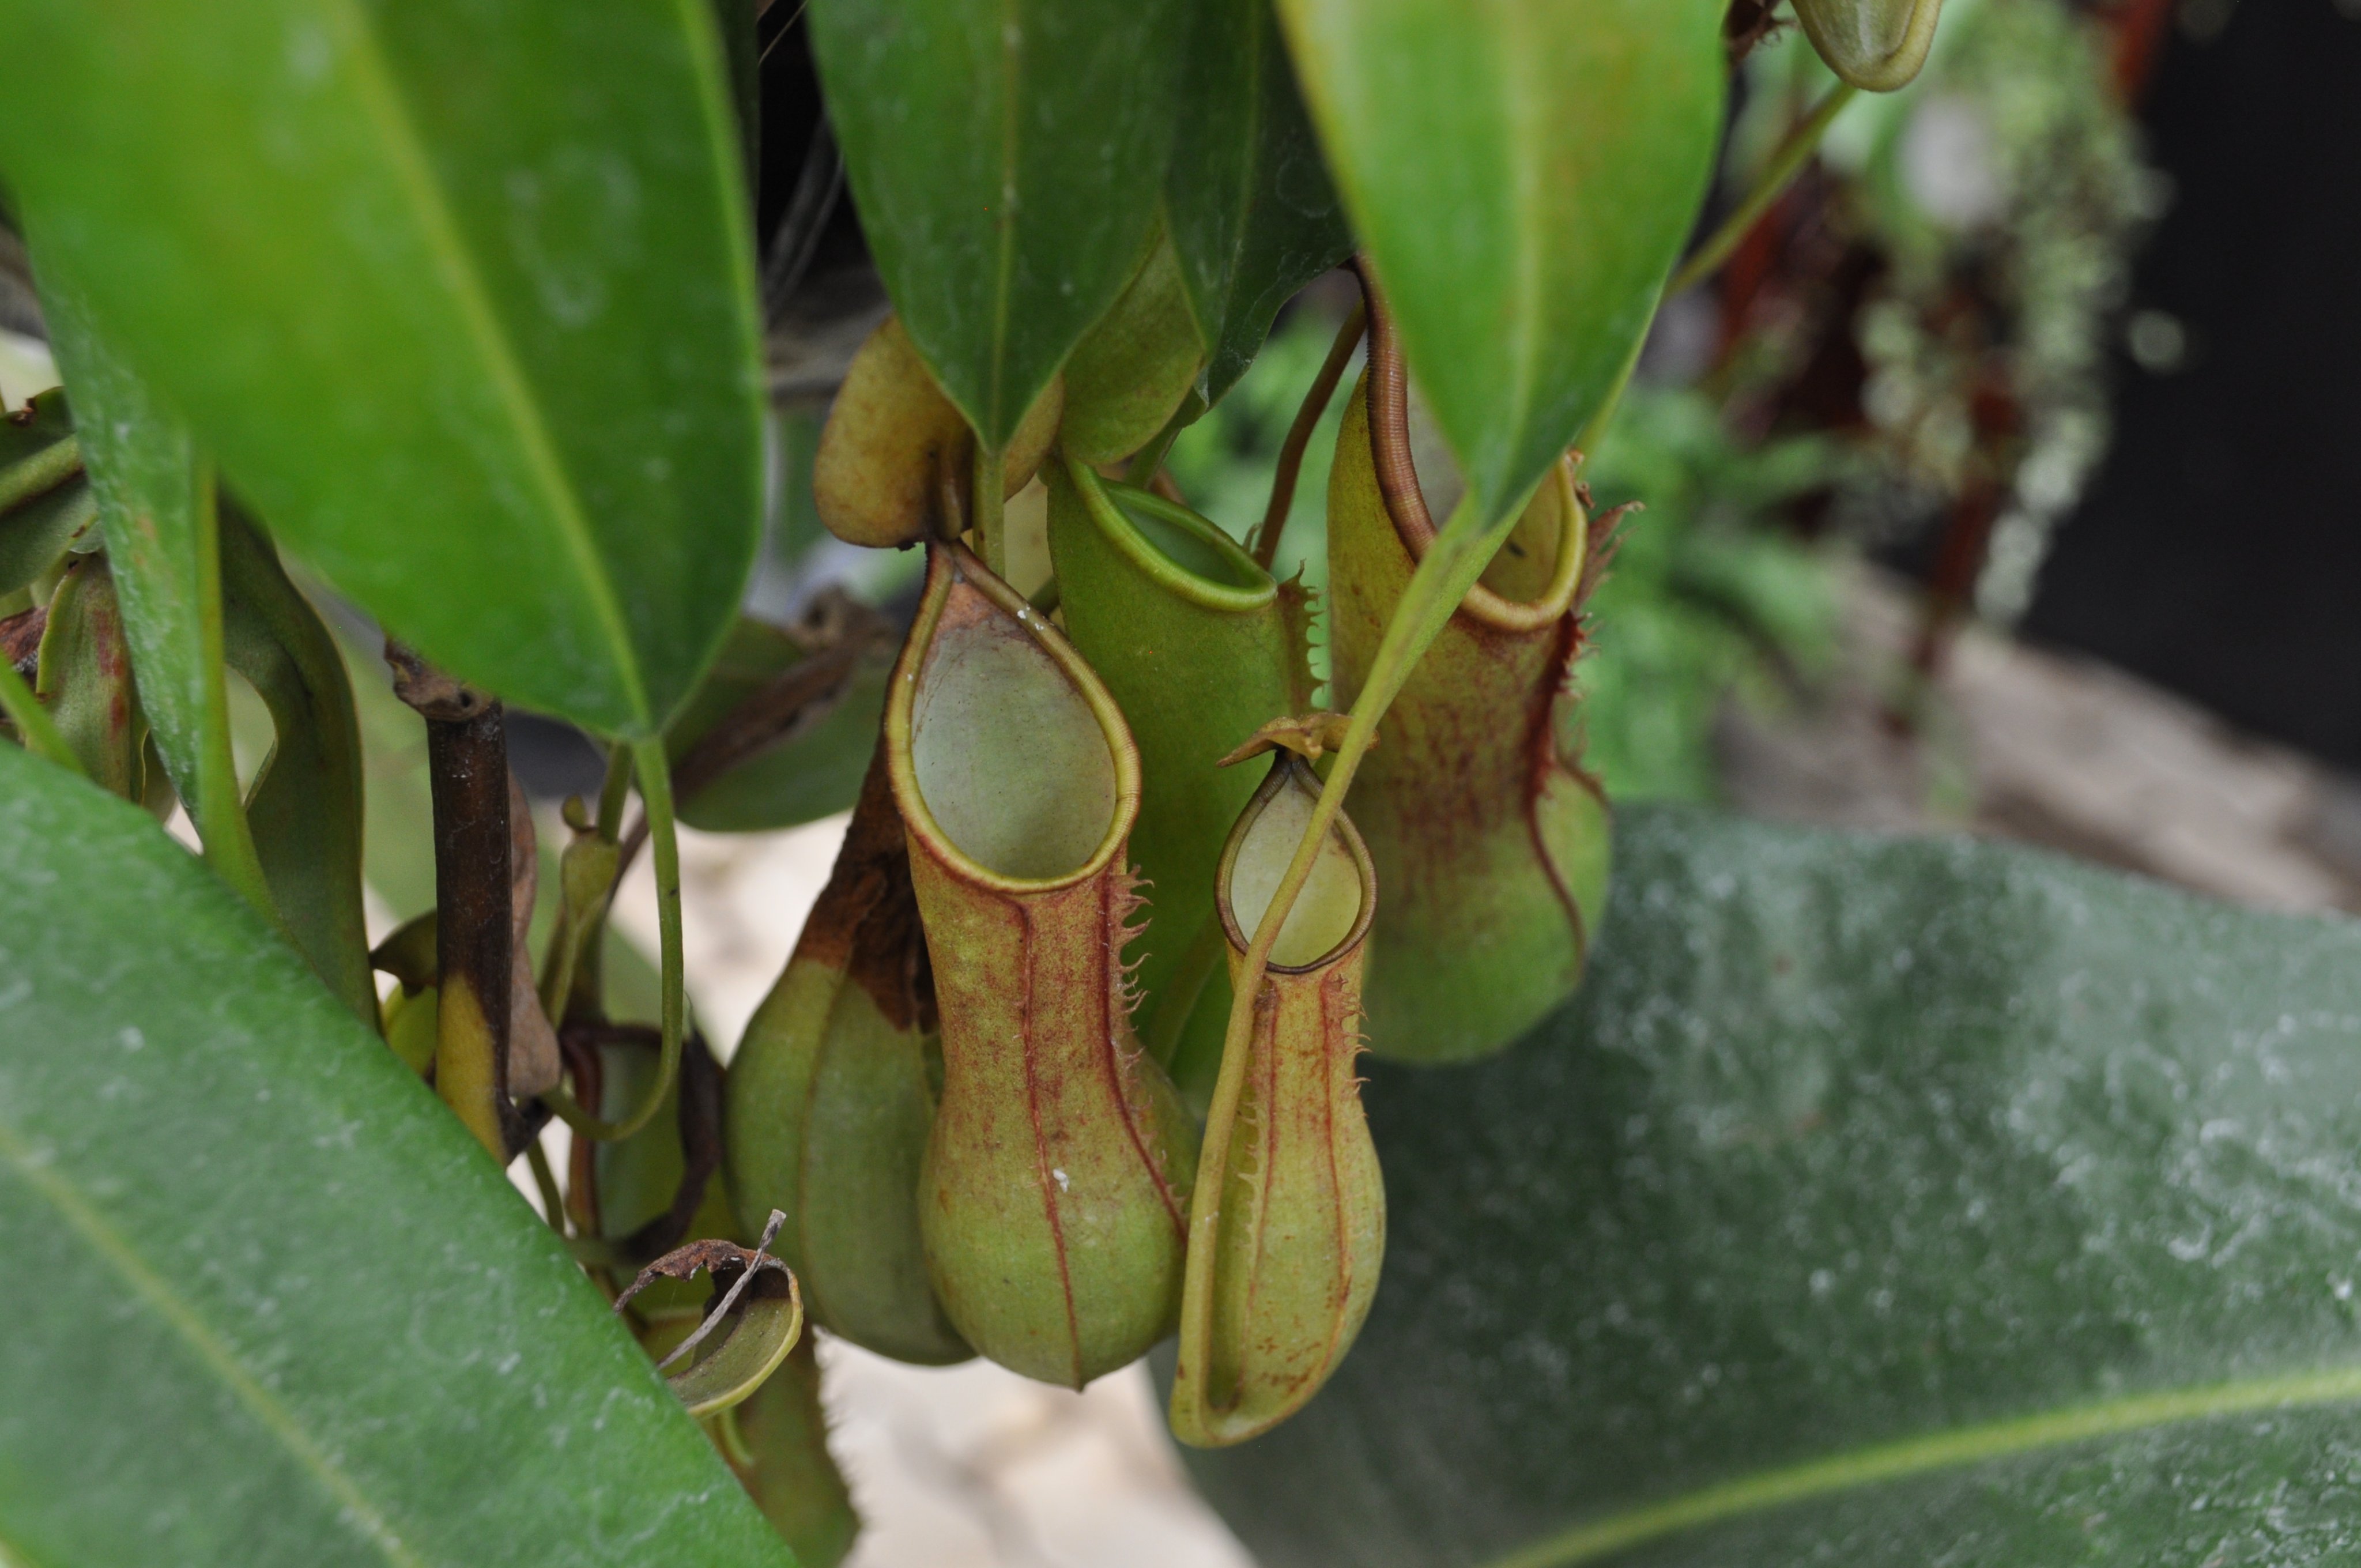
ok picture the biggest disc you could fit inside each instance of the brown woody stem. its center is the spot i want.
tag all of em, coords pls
(468, 767)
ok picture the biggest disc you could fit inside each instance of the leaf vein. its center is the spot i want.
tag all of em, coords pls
(413, 173)
(1012, 83)
(274, 1416)
(1911, 1457)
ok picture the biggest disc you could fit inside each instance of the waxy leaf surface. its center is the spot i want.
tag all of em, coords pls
(1522, 175)
(1877, 1201)
(305, 810)
(460, 296)
(155, 503)
(268, 1303)
(1253, 214)
(1006, 160)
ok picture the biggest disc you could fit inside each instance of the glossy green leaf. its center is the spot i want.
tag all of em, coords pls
(45, 497)
(741, 48)
(150, 486)
(461, 296)
(1006, 159)
(157, 507)
(1131, 371)
(304, 808)
(1201, 648)
(1879, 1202)
(268, 1304)
(814, 771)
(1250, 206)
(1522, 175)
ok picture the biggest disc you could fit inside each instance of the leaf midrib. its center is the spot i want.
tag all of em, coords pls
(143, 1282)
(1012, 40)
(381, 102)
(1905, 1458)
(1249, 179)
(1528, 133)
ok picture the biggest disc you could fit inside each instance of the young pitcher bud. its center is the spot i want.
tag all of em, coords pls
(84, 679)
(1053, 1198)
(829, 1099)
(894, 446)
(1489, 840)
(1302, 1226)
(1876, 45)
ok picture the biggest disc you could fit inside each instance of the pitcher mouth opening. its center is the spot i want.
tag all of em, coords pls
(1323, 926)
(1173, 544)
(1010, 758)
(1515, 594)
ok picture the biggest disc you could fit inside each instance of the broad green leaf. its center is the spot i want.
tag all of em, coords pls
(1252, 211)
(45, 497)
(1006, 159)
(1132, 371)
(461, 297)
(1522, 175)
(305, 805)
(268, 1303)
(158, 508)
(742, 52)
(1879, 1203)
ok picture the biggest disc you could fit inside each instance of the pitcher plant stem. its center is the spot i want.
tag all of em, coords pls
(1265, 541)
(988, 511)
(654, 771)
(1785, 165)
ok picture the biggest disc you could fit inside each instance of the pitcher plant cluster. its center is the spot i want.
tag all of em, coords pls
(1062, 1065)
